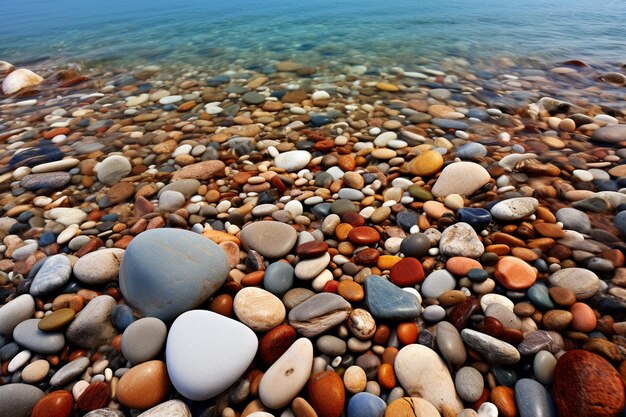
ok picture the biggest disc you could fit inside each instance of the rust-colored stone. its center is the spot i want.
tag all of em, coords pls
(96, 395)
(587, 385)
(326, 394)
(407, 272)
(275, 343)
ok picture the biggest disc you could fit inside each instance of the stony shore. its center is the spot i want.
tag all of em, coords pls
(433, 241)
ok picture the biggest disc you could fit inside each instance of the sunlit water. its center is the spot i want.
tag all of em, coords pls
(254, 33)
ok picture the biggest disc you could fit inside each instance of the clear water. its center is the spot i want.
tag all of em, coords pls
(254, 33)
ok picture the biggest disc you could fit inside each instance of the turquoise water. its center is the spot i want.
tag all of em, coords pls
(252, 34)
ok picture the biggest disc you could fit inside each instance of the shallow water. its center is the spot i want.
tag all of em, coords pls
(252, 34)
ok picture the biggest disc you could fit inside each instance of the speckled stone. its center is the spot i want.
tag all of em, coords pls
(533, 400)
(18, 400)
(52, 275)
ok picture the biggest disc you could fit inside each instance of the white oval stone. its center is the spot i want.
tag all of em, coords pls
(514, 208)
(422, 373)
(288, 375)
(293, 160)
(207, 352)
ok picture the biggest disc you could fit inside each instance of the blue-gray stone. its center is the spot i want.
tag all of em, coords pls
(28, 335)
(122, 317)
(18, 400)
(388, 301)
(479, 114)
(477, 275)
(620, 222)
(320, 120)
(540, 297)
(8, 351)
(52, 275)
(217, 80)
(533, 400)
(166, 272)
(253, 98)
(47, 238)
(471, 150)
(278, 278)
(478, 218)
(365, 404)
(407, 219)
(35, 156)
(449, 124)
(69, 372)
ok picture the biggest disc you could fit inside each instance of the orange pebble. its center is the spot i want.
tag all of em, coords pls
(342, 231)
(387, 261)
(504, 400)
(584, 318)
(386, 376)
(407, 333)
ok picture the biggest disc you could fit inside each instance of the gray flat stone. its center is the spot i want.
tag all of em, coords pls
(610, 134)
(450, 343)
(493, 350)
(271, 239)
(28, 335)
(583, 282)
(436, 283)
(50, 180)
(574, 219)
(69, 372)
(166, 272)
(319, 313)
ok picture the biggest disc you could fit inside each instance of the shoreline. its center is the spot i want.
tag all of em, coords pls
(455, 183)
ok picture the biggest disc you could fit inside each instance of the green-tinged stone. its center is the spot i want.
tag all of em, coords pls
(57, 320)
(420, 193)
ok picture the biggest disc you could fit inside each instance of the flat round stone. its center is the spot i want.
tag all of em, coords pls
(363, 235)
(57, 320)
(463, 178)
(52, 275)
(271, 239)
(28, 335)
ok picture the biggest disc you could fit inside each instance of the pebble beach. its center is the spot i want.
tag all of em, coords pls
(439, 239)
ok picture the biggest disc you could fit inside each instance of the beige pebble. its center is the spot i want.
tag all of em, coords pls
(354, 379)
(35, 371)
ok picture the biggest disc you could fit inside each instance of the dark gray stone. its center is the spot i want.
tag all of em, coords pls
(278, 278)
(610, 134)
(49, 180)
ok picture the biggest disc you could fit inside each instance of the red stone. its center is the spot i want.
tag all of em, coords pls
(460, 314)
(93, 244)
(96, 395)
(275, 343)
(55, 132)
(56, 404)
(512, 336)
(483, 398)
(585, 384)
(407, 272)
(367, 257)
(331, 286)
(312, 249)
(277, 183)
(353, 219)
(491, 326)
(326, 394)
(363, 235)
